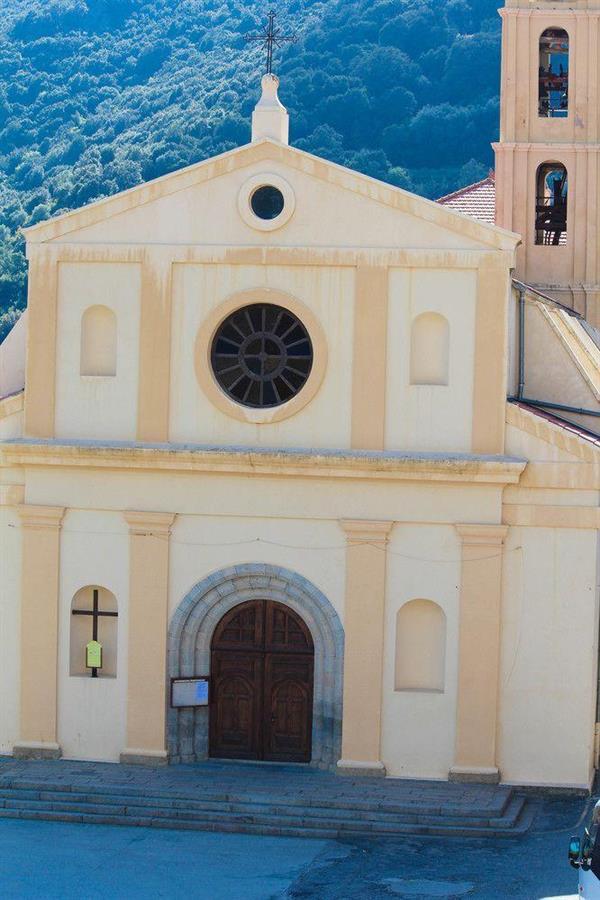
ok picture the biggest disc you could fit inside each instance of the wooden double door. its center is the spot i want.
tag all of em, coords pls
(262, 677)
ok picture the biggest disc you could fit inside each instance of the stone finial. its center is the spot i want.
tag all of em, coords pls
(270, 118)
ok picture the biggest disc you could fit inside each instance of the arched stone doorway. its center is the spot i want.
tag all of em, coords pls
(262, 673)
(190, 637)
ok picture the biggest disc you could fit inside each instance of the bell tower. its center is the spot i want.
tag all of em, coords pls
(548, 156)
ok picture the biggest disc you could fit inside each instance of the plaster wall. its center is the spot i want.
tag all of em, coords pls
(12, 358)
(326, 214)
(202, 545)
(329, 295)
(91, 712)
(537, 450)
(548, 656)
(552, 372)
(11, 426)
(89, 406)
(418, 728)
(432, 417)
(10, 623)
(266, 497)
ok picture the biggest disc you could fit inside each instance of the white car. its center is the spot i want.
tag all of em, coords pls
(584, 855)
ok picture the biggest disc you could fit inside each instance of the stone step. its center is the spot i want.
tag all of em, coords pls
(321, 828)
(22, 798)
(352, 804)
(258, 799)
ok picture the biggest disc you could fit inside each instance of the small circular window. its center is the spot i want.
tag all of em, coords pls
(262, 355)
(267, 202)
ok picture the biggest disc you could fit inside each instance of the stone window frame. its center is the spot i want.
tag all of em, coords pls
(245, 207)
(203, 364)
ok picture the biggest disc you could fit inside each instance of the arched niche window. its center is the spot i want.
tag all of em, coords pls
(554, 73)
(98, 341)
(94, 617)
(420, 647)
(552, 194)
(429, 349)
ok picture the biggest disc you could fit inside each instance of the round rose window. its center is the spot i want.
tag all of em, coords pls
(262, 355)
(267, 202)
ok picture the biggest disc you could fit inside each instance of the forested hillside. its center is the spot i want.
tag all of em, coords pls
(99, 95)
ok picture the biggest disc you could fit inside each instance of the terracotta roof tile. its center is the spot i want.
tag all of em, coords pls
(476, 200)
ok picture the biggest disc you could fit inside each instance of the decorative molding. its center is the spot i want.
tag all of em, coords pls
(528, 515)
(144, 523)
(559, 437)
(190, 634)
(41, 516)
(484, 535)
(474, 774)
(340, 257)
(12, 404)
(359, 769)
(36, 750)
(203, 362)
(272, 151)
(144, 757)
(365, 531)
(12, 494)
(373, 465)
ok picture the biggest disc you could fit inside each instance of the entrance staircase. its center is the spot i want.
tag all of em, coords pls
(268, 799)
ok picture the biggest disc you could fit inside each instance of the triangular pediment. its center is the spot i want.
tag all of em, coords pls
(335, 207)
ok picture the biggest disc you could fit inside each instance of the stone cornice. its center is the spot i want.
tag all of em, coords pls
(389, 466)
(41, 516)
(12, 494)
(261, 152)
(143, 523)
(556, 435)
(12, 404)
(482, 535)
(248, 255)
(366, 531)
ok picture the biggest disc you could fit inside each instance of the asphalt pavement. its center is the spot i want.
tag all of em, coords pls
(54, 860)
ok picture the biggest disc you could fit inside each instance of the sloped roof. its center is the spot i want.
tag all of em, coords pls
(476, 200)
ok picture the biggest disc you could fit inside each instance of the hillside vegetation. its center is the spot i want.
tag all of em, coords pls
(99, 95)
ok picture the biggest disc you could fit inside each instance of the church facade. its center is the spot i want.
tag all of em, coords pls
(263, 496)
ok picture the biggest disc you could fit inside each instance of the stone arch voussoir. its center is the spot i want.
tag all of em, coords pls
(190, 634)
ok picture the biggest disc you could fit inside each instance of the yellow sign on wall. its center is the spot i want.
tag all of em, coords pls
(93, 655)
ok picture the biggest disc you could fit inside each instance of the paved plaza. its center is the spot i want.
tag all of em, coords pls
(57, 860)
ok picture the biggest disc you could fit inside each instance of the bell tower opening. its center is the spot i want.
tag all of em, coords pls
(552, 190)
(548, 155)
(554, 73)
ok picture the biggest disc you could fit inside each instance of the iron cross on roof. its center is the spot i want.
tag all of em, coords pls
(271, 38)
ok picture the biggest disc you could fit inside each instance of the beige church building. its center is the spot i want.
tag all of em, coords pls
(297, 466)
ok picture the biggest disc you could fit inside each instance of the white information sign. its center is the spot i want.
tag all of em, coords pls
(189, 692)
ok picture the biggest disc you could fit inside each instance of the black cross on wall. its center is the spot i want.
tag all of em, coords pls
(95, 613)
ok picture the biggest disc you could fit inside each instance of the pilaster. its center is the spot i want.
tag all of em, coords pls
(149, 539)
(370, 358)
(489, 392)
(479, 651)
(42, 305)
(40, 528)
(364, 611)
(155, 351)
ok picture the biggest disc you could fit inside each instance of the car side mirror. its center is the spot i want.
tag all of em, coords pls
(587, 849)
(575, 852)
